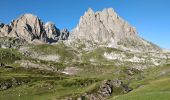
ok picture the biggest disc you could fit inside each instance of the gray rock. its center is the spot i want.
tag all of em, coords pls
(11, 42)
(31, 29)
(107, 28)
(28, 27)
(6, 84)
(52, 32)
(107, 88)
(4, 30)
(1, 25)
(64, 34)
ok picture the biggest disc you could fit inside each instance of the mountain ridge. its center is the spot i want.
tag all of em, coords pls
(106, 27)
(102, 58)
(101, 28)
(29, 27)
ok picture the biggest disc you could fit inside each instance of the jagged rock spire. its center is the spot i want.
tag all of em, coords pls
(29, 27)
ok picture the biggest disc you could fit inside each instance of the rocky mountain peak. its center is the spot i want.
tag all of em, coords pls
(107, 28)
(107, 21)
(89, 12)
(29, 27)
(29, 17)
(52, 32)
(101, 28)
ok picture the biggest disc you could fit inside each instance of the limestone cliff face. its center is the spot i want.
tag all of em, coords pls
(107, 28)
(4, 30)
(101, 28)
(52, 32)
(29, 27)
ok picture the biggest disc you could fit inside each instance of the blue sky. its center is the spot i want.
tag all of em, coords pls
(150, 17)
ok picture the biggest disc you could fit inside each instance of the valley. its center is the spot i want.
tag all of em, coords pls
(103, 58)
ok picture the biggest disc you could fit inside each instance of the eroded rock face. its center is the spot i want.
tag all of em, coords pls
(107, 28)
(64, 34)
(52, 32)
(110, 86)
(107, 88)
(4, 30)
(102, 26)
(30, 28)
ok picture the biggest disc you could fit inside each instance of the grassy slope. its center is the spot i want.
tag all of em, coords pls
(46, 85)
(155, 86)
(155, 90)
(8, 56)
(43, 90)
(65, 53)
(43, 85)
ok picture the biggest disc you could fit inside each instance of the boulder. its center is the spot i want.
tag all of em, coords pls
(110, 86)
(106, 89)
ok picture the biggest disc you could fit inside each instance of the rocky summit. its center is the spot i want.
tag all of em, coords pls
(30, 28)
(108, 29)
(101, 28)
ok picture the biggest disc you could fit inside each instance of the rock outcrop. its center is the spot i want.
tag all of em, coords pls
(6, 84)
(109, 87)
(30, 28)
(52, 32)
(64, 34)
(106, 89)
(108, 29)
(4, 30)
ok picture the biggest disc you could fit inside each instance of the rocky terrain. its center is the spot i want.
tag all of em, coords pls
(30, 28)
(102, 58)
(108, 29)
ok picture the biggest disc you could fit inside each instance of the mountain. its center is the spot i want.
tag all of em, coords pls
(108, 29)
(101, 28)
(30, 28)
(102, 58)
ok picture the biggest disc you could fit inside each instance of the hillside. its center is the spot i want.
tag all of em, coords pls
(103, 58)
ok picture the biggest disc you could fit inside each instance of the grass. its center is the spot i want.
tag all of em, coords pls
(155, 90)
(9, 56)
(47, 85)
(65, 53)
(48, 89)
(44, 85)
(97, 55)
(153, 85)
(11, 42)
